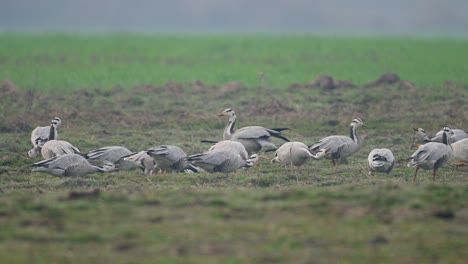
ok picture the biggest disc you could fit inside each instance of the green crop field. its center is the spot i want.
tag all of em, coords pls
(142, 91)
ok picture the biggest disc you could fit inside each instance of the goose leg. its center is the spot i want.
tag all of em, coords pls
(415, 173)
(434, 174)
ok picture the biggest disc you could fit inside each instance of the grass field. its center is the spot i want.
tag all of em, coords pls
(143, 91)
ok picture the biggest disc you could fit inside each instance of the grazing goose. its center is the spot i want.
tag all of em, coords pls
(254, 138)
(460, 152)
(171, 159)
(421, 136)
(340, 147)
(40, 135)
(108, 154)
(296, 154)
(381, 160)
(140, 160)
(53, 148)
(224, 157)
(69, 165)
(432, 155)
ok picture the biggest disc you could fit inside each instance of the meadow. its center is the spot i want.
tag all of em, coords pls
(142, 91)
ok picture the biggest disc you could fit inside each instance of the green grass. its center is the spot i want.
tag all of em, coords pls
(68, 62)
(258, 216)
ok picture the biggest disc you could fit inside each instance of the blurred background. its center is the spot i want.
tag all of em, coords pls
(362, 17)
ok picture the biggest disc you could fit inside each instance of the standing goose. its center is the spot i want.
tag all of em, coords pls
(171, 159)
(380, 160)
(421, 136)
(140, 160)
(40, 139)
(296, 154)
(254, 138)
(40, 135)
(432, 155)
(338, 146)
(69, 165)
(226, 157)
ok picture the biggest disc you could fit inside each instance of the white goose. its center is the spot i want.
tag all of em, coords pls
(380, 160)
(432, 156)
(226, 157)
(69, 165)
(460, 152)
(338, 146)
(254, 138)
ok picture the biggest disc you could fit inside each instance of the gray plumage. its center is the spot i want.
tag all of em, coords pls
(140, 160)
(421, 136)
(225, 157)
(40, 135)
(107, 154)
(296, 154)
(340, 147)
(69, 165)
(380, 160)
(254, 138)
(432, 155)
(171, 159)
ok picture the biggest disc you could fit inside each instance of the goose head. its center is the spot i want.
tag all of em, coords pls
(34, 152)
(420, 135)
(109, 167)
(321, 153)
(357, 122)
(227, 112)
(57, 121)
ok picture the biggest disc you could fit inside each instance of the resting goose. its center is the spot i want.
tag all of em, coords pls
(296, 154)
(225, 157)
(108, 154)
(460, 152)
(338, 146)
(381, 160)
(254, 138)
(53, 148)
(432, 155)
(69, 165)
(171, 159)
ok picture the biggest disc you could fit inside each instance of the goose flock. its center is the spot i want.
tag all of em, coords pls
(239, 150)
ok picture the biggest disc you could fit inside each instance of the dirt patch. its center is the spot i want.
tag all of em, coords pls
(325, 82)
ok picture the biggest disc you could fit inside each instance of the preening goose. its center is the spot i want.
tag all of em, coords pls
(381, 160)
(225, 157)
(140, 160)
(69, 165)
(254, 138)
(171, 159)
(421, 136)
(53, 148)
(338, 146)
(432, 155)
(296, 154)
(40, 135)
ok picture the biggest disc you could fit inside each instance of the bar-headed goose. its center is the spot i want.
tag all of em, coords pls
(296, 154)
(171, 159)
(460, 152)
(421, 136)
(225, 157)
(380, 160)
(432, 156)
(110, 154)
(140, 160)
(53, 148)
(69, 165)
(254, 138)
(338, 146)
(40, 135)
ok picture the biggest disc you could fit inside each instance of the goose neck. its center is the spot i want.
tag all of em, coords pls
(354, 135)
(229, 130)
